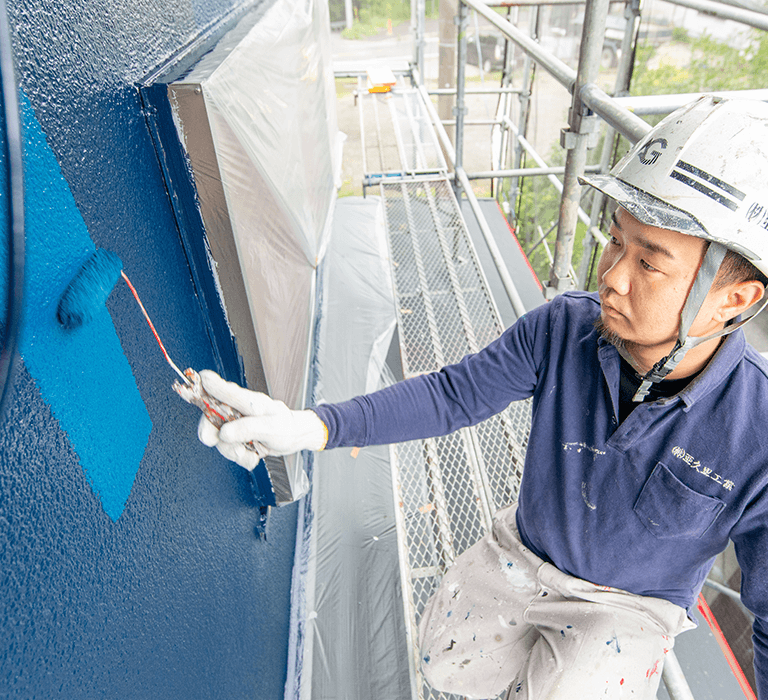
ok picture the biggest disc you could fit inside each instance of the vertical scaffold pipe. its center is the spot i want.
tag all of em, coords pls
(447, 59)
(529, 68)
(674, 679)
(581, 124)
(418, 22)
(621, 87)
(460, 109)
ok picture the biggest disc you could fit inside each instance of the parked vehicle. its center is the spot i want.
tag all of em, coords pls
(491, 52)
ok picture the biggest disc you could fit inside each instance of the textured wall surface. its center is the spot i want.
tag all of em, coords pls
(157, 588)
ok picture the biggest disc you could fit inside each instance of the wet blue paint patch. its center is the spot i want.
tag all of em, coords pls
(82, 374)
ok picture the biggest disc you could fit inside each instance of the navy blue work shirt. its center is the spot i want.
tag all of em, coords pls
(644, 506)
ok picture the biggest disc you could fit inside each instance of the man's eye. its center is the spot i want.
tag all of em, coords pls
(648, 267)
(614, 240)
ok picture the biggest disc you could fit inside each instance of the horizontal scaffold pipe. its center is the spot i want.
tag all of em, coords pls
(597, 234)
(666, 104)
(733, 595)
(561, 72)
(525, 172)
(474, 122)
(617, 116)
(363, 72)
(478, 91)
(754, 19)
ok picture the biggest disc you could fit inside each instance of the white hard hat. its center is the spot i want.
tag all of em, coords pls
(703, 171)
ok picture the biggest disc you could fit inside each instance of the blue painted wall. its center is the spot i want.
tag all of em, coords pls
(153, 584)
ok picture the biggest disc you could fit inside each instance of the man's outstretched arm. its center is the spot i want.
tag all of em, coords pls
(429, 405)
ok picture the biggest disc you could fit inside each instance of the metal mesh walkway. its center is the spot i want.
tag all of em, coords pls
(446, 489)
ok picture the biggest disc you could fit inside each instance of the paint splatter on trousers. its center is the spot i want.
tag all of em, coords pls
(503, 619)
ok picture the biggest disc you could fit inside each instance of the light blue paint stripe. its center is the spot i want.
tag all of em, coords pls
(83, 374)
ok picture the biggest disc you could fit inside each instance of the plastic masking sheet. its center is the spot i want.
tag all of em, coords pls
(274, 130)
(349, 636)
(269, 97)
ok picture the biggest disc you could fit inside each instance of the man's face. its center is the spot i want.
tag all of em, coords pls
(644, 276)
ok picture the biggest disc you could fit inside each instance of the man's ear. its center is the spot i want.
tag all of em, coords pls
(737, 298)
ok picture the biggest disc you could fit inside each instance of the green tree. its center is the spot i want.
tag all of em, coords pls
(713, 66)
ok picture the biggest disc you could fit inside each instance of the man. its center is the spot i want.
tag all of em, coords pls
(648, 439)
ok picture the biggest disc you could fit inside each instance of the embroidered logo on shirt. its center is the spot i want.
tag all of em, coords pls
(680, 453)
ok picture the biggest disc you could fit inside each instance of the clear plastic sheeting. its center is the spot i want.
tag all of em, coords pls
(276, 94)
(350, 639)
(257, 118)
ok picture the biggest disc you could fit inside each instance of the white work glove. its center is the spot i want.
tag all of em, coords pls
(273, 427)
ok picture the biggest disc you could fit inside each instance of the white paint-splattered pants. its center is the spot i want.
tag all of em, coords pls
(503, 618)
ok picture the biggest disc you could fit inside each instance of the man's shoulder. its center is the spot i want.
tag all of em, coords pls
(576, 307)
(757, 363)
(568, 317)
(587, 299)
(745, 383)
(575, 295)
(577, 303)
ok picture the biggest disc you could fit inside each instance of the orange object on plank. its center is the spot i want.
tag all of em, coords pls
(380, 79)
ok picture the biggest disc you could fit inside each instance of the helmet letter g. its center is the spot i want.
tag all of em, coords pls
(648, 155)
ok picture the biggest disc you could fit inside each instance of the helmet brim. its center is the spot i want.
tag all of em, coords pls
(645, 207)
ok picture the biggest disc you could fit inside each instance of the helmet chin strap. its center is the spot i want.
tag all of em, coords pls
(701, 286)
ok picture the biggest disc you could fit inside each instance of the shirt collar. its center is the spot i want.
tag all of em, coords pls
(719, 367)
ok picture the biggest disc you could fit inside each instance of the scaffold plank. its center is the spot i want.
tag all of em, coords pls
(447, 488)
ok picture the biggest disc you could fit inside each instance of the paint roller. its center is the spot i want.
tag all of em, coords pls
(88, 291)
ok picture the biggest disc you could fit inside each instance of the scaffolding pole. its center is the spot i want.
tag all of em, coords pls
(529, 68)
(460, 110)
(665, 104)
(758, 20)
(524, 172)
(560, 71)
(476, 91)
(580, 134)
(418, 22)
(621, 87)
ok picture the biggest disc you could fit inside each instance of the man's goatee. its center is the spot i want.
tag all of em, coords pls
(607, 334)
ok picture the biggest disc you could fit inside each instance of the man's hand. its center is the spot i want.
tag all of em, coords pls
(273, 427)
